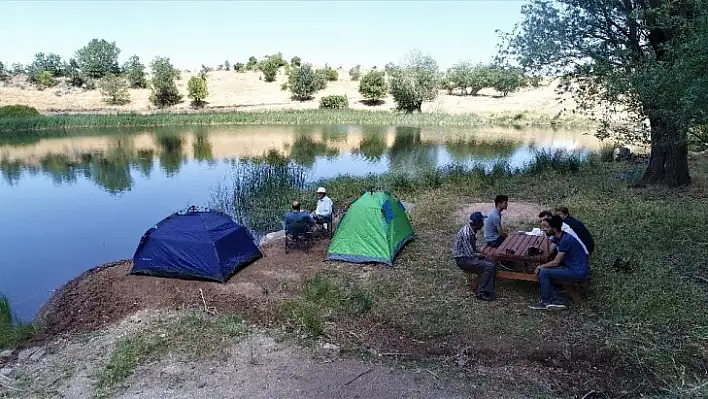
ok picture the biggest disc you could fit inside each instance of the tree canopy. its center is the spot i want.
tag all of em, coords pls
(98, 58)
(643, 56)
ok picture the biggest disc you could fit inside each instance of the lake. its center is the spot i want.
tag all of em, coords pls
(71, 203)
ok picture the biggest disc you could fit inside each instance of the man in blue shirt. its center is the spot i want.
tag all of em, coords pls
(298, 222)
(570, 264)
(577, 226)
(493, 234)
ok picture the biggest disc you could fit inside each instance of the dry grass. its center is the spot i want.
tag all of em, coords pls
(229, 89)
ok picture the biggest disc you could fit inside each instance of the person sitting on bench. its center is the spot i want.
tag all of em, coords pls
(323, 212)
(493, 234)
(471, 261)
(582, 232)
(298, 222)
(571, 264)
(547, 215)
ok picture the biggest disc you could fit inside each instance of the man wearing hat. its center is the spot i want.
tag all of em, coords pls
(323, 212)
(470, 260)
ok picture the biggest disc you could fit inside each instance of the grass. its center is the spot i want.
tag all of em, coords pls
(646, 328)
(190, 336)
(12, 332)
(11, 127)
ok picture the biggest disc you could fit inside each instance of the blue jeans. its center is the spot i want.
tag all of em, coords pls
(547, 276)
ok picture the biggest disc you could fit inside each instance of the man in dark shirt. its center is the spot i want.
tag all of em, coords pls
(298, 222)
(578, 227)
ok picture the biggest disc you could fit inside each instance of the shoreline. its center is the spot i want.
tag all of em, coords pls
(13, 127)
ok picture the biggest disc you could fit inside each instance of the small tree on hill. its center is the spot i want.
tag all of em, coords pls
(373, 86)
(114, 90)
(164, 88)
(227, 65)
(415, 81)
(73, 74)
(355, 73)
(4, 73)
(329, 73)
(239, 67)
(269, 67)
(98, 58)
(51, 63)
(295, 61)
(507, 80)
(135, 73)
(304, 81)
(252, 63)
(197, 90)
(44, 79)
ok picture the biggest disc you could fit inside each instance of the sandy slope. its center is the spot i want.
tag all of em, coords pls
(232, 89)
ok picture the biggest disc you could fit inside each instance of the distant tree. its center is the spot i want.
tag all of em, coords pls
(4, 73)
(44, 79)
(278, 58)
(197, 90)
(73, 74)
(447, 84)
(507, 80)
(98, 58)
(114, 90)
(355, 73)
(227, 65)
(329, 73)
(164, 88)
(304, 81)
(295, 61)
(373, 86)
(239, 67)
(416, 80)
(51, 63)
(17, 69)
(390, 68)
(252, 63)
(134, 72)
(270, 67)
(470, 78)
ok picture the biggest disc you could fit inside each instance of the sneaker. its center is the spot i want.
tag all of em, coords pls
(557, 306)
(485, 297)
(539, 306)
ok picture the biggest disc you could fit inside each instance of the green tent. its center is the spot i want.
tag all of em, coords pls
(374, 229)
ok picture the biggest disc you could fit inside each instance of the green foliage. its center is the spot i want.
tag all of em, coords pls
(134, 72)
(284, 86)
(334, 102)
(295, 61)
(373, 86)
(507, 80)
(252, 63)
(18, 111)
(470, 78)
(44, 79)
(12, 332)
(4, 73)
(164, 88)
(17, 69)
(51, 63)
(98, 58)
(304, 81)
(197, 89)
(330, 74)
(73, 74)
(390, 68)
(355, 73)
(239, 67)
(415, 81)
(278, 58)
(114, 90)
(270, 67)
(227, 65)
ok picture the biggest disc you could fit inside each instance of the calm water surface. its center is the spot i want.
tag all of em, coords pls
(69, 204)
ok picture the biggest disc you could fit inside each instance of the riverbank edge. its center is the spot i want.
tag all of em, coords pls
(78, 121)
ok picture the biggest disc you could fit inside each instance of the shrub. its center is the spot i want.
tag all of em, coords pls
(330, 74)
(469, 78)
(295, 61)
(284, 86)
(44, 79)
(239, 67)
(227, 65)
(304, 81)
(252, 63)
(74, 76)
(164, 89)
(197, 90)
(98, 58)
(278, 58)
(135, 73)
(269, 67)
(417, 80)
(334, 102)
(114, 90)
(18, 111)
(355, 73)
(4, 73)
(507, 80)
(373, 86)
(51, 63)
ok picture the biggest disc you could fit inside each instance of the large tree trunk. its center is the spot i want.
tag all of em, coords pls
(668, 163)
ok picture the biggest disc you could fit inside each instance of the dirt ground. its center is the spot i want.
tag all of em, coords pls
(229, 89)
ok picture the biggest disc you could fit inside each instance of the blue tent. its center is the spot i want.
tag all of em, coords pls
(196, 243)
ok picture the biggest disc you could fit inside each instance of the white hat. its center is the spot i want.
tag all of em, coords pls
(321, 190)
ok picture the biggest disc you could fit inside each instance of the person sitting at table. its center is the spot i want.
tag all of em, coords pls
(546, 215)
(570, 264)
(493, 233)
(470, 260)
(297, 222)
(578, 227)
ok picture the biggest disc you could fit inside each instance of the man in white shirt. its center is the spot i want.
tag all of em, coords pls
(323, 212)
(547, 215)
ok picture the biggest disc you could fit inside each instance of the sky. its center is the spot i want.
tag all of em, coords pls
(192, 33)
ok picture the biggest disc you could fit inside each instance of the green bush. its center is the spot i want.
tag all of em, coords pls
(334, 102)
(507, 80)
(164, 88)
(18, 111)
(295, 62)
(51, 63)
(227, 65)
(270, 67)
(4, 73)
(252, 63)
(197, 90)
(239, 67)
(98, 58)
(114, 90)
(304, 81)
(373, 86)
(414, 82)
(330, 74)
(134, 72)
(284, 86)
(355, 73)
(74, 77)
(44, 79)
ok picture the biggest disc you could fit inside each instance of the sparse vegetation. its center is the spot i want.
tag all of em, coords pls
(334, 102)
(114, 90)
(415, 81)
(330, 74)
(197, 89)
(164, 88)
(134, 72)
(355, 73)
(270, 67)
(252, 63)
(373, 86)
(304, 81)
(295, 62)
(18, 111)
(12, 332)
(239, 67)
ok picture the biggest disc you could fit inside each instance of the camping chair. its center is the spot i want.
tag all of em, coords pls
(299, 237)
(328, 223)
